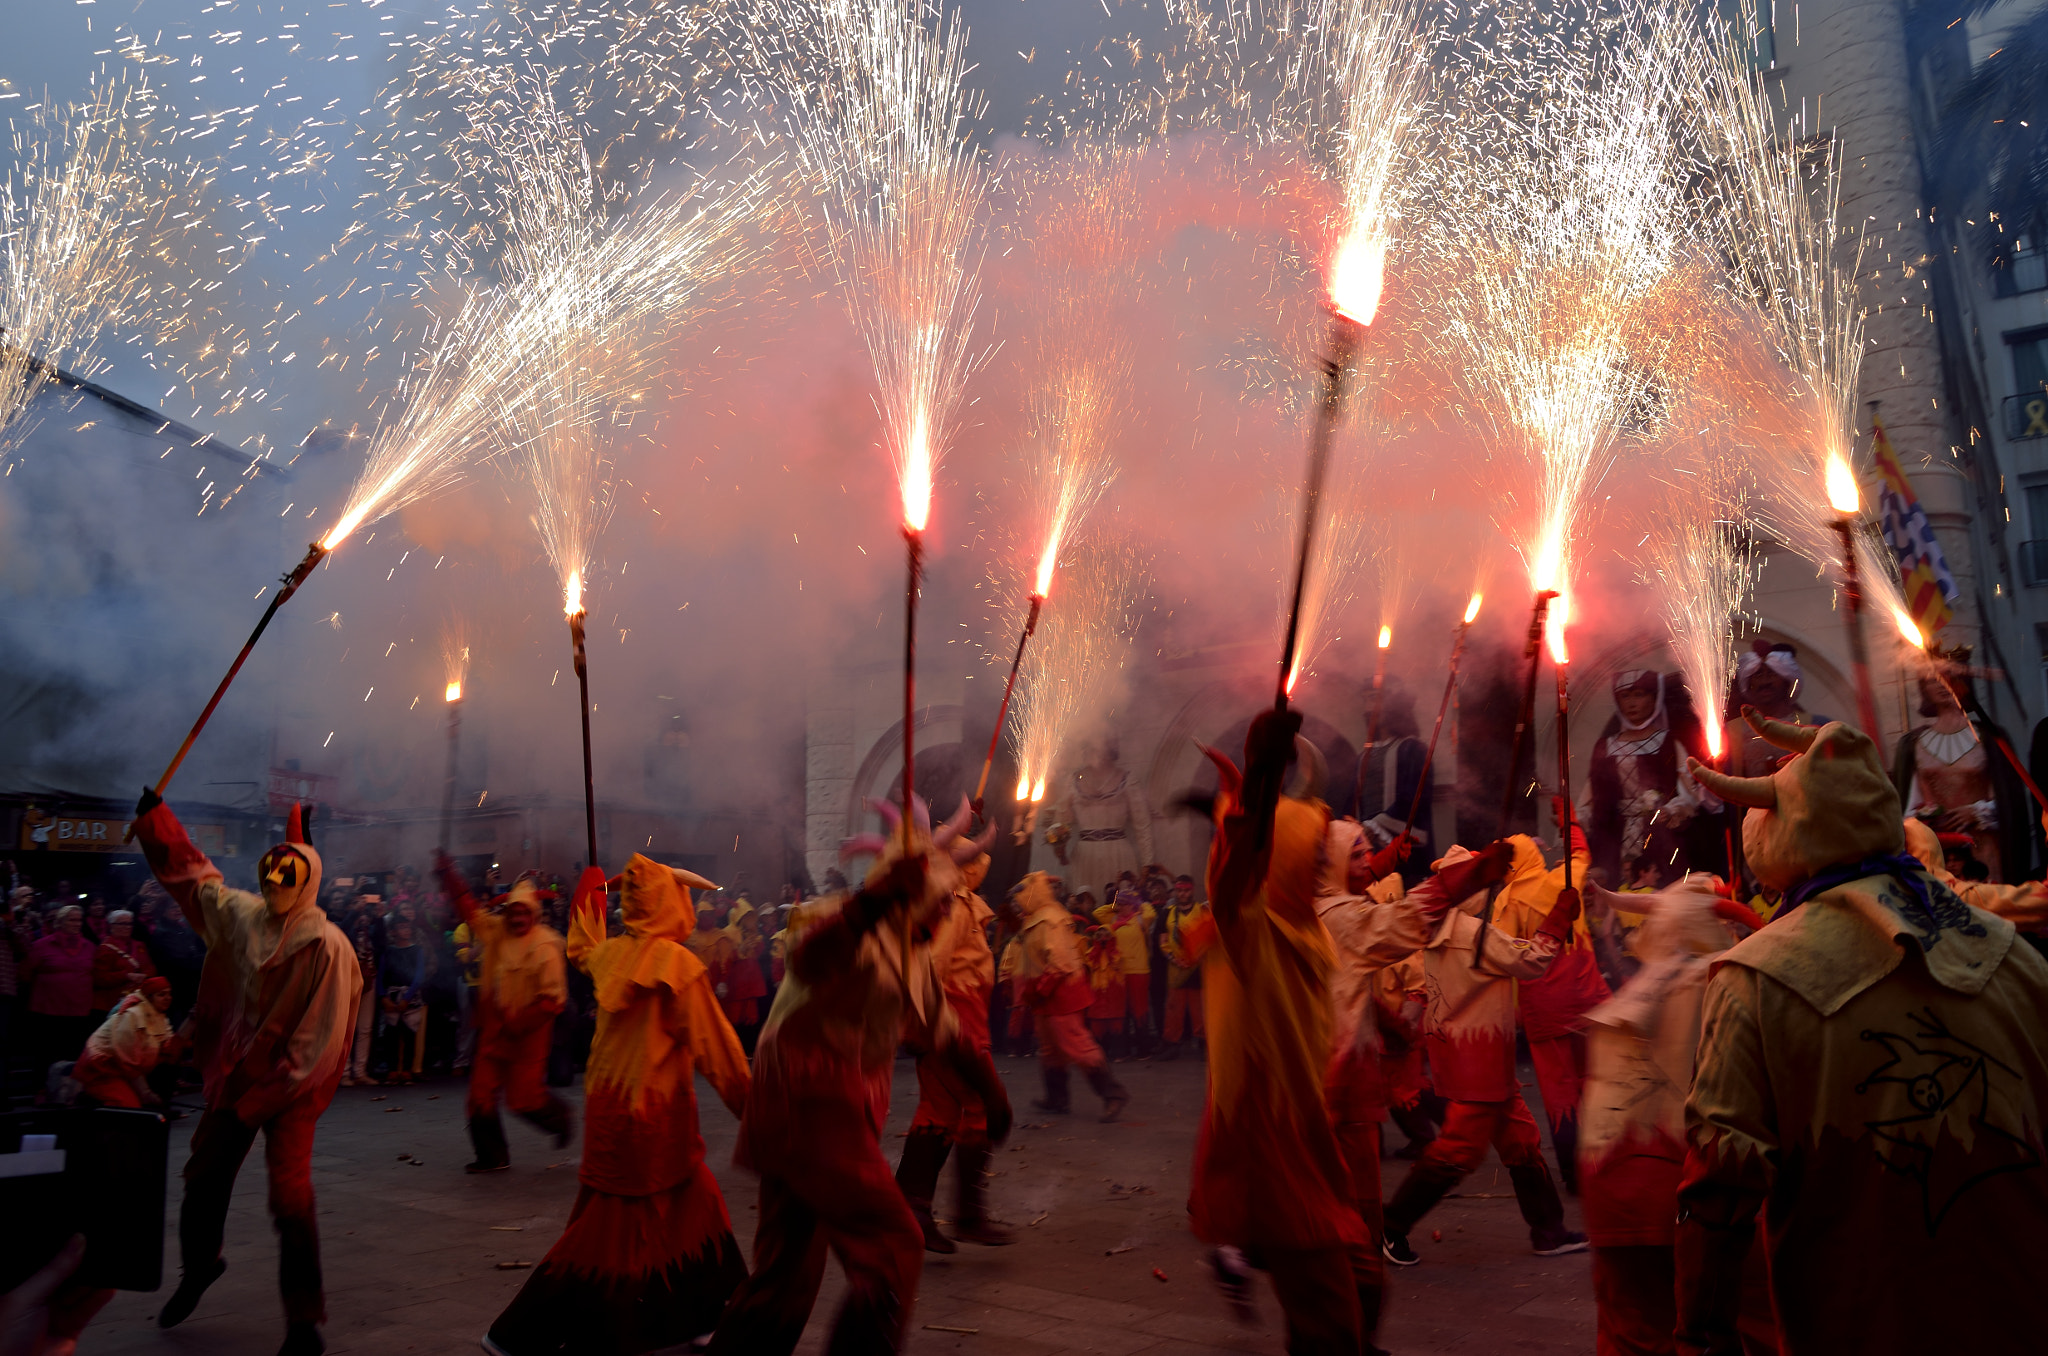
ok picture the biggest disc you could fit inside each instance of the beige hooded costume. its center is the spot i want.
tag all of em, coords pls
(1873, 1075)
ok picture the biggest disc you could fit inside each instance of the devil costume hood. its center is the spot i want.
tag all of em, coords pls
(1873, 1073)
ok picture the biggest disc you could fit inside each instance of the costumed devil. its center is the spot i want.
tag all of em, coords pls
(1872, 1078)
(270, 1031)
(860, 982)
(648, 1258)
(522, 986)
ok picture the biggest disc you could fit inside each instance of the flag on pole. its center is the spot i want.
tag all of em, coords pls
(1923, 572)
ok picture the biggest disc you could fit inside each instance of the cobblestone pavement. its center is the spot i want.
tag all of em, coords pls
(1105, 1264)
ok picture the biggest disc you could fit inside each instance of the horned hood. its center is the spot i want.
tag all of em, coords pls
(1831, 803)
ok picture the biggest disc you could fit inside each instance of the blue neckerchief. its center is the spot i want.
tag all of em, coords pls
(1931, 907)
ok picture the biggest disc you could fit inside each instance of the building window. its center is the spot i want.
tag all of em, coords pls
(2029, 358)
(2021, 267)
(1752, 17)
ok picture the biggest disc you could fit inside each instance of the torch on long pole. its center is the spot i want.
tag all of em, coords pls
(289, 585)
(583, 687)
(1345, 336)
(915, 540)
(1525, 714)
(1443, 709)
(1859, 654)
(989, 761)
(1564, 761)
(448, 784)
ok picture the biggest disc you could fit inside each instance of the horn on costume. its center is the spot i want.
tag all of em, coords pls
(1315, 769)
(1597, 895)
(1758, 793)
(1789, 737)
(690, 880)
(944, 834)
(887, 809)
(965, 849)
(862, 845)
(1229, 780)
(295, 824)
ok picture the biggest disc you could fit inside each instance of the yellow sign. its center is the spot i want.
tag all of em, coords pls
(44, 832)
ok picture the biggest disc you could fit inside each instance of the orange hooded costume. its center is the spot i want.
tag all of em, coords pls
(648, 1258)
(1872, 1077)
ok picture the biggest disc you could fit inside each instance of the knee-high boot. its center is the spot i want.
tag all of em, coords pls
(924, 1153)
(973, 1222)
(487, 1134)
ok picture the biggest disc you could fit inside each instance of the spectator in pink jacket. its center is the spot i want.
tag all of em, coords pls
(58, 976)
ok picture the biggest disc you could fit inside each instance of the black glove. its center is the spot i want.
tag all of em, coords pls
(148, 801)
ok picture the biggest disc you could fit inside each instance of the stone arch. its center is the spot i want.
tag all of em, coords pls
(881, 771)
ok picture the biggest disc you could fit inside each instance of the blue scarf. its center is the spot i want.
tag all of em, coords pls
(1931, 908)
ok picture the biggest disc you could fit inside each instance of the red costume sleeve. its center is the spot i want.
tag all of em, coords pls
(586, 914)
(179, 867)
(456, 888)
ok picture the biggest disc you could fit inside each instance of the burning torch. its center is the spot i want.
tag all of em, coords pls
(917, 510)
(1030, 625)
(1846, 500)
(453, 695)
(572, 604)
(1443, 708)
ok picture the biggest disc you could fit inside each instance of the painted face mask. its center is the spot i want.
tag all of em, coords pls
(288, 875)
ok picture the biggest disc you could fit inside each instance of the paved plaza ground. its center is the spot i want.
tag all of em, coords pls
(413, 1247)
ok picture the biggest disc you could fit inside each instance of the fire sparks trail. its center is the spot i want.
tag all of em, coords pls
(1696, 557)
(73, 240)
(879, 113)
(1070, 673)
(454, 658)
(1582, 226)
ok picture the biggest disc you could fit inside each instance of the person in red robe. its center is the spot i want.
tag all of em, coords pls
(120, 1056)
(270, 1031)
(950, 1116)
(860, 983)
(522, 986)
(648, 1258)
(1270, 1188)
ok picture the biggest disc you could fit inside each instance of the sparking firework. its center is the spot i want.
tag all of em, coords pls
(1071, 673)
(72, 243)
(1697, 556)
(1583, 223)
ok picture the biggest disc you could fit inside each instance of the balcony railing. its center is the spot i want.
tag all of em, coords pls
(2026, 416)
(2034, 563)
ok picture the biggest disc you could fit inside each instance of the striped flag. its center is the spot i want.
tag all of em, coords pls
(1923, 572)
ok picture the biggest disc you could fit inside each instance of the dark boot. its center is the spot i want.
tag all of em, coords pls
(924, 1153)
(554, 1119)
(191, 1286)
(302, 1339)
(973, 1223)
(1425, 1185)
(1542, 1211)
(487, 1133)
(1114, 1098)
(1058, 1098)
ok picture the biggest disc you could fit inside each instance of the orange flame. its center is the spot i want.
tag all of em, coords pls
(1023, 788)
(1038, 791)
(1293, 675)
(572, 593)
(1046, 564)
(1553, 628)
(917, 473)
(1358, 273)
(1386, 636)
(454, 693)
(1904, 621)
(1472, 610)
(1712, 726)
(1841, 484)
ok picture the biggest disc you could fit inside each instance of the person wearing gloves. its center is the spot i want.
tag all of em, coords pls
(1471, 965)
(1872, 1079)
(1052, 983)
(1552, 1007)
(270, 1032)
(1640, 1046)
(648, 1258)
(522, 986)
(1373, 923)
(120, 1055)
(860, 983)
(950, 1115)
(2025, 906)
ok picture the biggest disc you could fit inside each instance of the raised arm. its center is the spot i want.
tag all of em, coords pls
(457, 890)
(179, 866)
